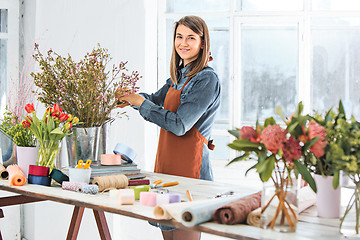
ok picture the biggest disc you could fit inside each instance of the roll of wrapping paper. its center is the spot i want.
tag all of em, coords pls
(236, 212)
(3, 172)
(16, 176)
(193, 212)
(88, 189)
(253, 218)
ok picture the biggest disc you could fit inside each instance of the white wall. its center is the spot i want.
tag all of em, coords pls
(75, 27)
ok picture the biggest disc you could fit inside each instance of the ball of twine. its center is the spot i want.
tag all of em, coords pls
(111, 182)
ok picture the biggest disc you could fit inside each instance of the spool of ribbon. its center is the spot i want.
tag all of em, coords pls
(111, 182)
(139, 182)
(58, 176)
(38, 170)
(88, 189)
(110, 159)
(126, 196)
(148, 198)
(39, 180)
(71, 186)
(140, 188)
(3, 173)
(127, 153)
(16, 176)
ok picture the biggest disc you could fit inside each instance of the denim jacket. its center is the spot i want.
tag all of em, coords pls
(200, 100)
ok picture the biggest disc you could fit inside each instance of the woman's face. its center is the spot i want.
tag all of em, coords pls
(187, 44)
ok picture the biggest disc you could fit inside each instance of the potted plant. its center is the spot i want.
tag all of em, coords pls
(278, 154)
(85, 89)
(326, 167)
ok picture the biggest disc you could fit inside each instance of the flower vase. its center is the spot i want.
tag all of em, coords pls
(350, 221)
(48, 153)
(279, 203)
(26, 156)
(327, 198)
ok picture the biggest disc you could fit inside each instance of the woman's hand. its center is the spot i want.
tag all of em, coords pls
(131, 99)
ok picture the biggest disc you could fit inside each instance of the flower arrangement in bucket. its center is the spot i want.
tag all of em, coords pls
(278, 154)
(85, 88)
(48, 131)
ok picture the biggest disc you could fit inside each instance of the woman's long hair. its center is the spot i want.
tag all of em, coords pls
(197, 25)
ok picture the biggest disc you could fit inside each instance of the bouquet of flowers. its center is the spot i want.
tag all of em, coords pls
(48, 131)
(85, 88)
(278, 153)
(13, 129)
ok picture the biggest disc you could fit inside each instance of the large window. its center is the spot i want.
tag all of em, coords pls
(274, 53)
(9, 47)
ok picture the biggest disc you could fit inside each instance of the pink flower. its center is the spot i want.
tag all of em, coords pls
(247, 133)
(316, 130)
(273, 137)
(291, 150)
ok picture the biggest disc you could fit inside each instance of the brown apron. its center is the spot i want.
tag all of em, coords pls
(179, 155)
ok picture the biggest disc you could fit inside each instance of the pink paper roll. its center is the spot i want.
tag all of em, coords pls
(126, 196)
(110, 159)
(148, 198)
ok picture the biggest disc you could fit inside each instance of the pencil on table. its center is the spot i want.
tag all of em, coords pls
(189, 195)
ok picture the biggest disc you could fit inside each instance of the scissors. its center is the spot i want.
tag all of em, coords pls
(157, 184)
(82, 165)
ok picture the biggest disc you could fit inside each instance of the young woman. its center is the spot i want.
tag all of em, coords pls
(184, 108)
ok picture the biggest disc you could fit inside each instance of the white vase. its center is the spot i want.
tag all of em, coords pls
(26, 156)
(327, 198)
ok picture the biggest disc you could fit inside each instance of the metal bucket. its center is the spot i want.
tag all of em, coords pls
(86, 143)
(8, 150)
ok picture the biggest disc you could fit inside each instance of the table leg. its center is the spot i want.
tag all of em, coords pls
(102, 225)
(75, 223)
(1, 216)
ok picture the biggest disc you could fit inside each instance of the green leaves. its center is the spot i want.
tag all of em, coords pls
(305, 174)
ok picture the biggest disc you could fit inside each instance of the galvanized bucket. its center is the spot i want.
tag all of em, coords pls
(86, 143)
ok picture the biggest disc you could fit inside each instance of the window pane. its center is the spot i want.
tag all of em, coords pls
(177, 6)
(3, 73)
(269, 70)
(221, 151)
(337, 5)
(3, 20)
(336, 61)
(266, 5)
(220, 53)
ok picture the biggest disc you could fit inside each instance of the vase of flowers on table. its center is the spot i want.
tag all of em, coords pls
(85, 89)
(278, 151)
(48, 131)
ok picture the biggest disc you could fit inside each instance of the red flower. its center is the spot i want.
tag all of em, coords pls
(273, 137)
(57, 108)
(247, 133)
(316, 130)
(63, 117)
(29, 108)
(49, 110)
(26, 124)
(30, 118)
(291, 150)
(68, 125)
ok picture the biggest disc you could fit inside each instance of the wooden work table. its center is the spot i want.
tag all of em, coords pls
(309, 226)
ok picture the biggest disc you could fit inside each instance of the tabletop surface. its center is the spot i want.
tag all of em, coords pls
(308, 227)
